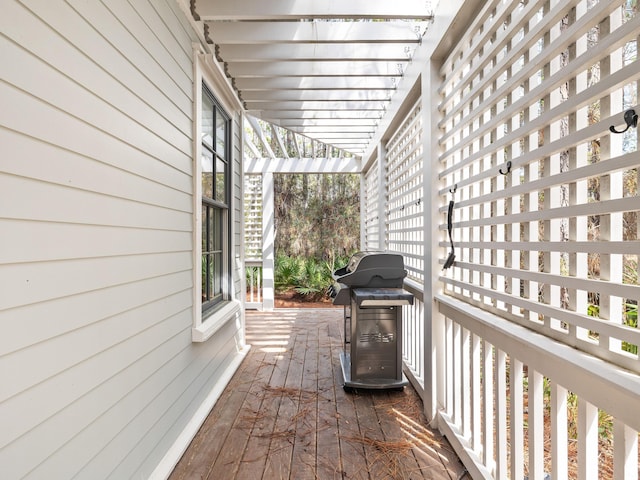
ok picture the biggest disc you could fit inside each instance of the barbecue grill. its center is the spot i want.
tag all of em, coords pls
(370, 288)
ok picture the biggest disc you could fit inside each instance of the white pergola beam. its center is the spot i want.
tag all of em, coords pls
(365, 116)
(329, 137)
(315, 95)
(296, 145)
(344, 125)
(276, 134)
(391, 52)
(224, 33)
(316, 83)
(317, 105)
(302, 165)
(333, 128)
(249, 143)
(348, 143)
(261, 135)
(295, 9)
(316, 68)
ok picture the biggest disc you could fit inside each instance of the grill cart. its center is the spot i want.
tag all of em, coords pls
(370, 288)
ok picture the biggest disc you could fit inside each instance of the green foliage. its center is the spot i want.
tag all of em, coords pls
(307, 276)
(287, 272)
(314, 279)
(630, 319)
(317, 219)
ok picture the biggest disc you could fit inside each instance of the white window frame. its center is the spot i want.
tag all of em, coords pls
(207, 71)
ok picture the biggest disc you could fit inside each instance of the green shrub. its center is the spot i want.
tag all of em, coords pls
(309, 277)
(287, 271)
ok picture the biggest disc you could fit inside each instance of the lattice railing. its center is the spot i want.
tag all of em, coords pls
(553, 244)
(540, 306)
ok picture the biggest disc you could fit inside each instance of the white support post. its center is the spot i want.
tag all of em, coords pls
(268, 242)
(433, 340)
(363, 212)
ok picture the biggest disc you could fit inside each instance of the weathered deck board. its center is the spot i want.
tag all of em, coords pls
(285, 415)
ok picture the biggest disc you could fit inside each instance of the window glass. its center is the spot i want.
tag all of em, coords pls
(215, 216)
(205, 235)
(207, 173)
(221, 176)
(207, 120)
(221, 136)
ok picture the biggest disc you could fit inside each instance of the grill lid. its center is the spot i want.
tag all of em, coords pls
(372, 269)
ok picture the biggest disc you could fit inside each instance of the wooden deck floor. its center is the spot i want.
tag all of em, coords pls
(285, 415)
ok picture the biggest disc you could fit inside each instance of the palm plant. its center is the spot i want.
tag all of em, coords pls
(287, 272)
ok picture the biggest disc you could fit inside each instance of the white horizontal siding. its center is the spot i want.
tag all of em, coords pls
(113, 110)
(78, 345)
(75, 170)
(74, 205)
(188, 386)
(31, 117)
(98, 371)
(31, 324)
(22, 241)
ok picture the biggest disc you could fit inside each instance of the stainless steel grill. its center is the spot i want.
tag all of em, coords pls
(370, 288)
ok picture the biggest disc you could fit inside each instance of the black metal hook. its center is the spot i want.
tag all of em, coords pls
(508, 169)
(630, 118)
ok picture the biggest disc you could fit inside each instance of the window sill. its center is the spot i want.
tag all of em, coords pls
(215, 321)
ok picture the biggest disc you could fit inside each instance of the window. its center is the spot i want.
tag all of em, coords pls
(215, 154)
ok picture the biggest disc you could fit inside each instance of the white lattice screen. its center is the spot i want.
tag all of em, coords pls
(546, 214)
(404, 190)
(371, 205)
(253, 217)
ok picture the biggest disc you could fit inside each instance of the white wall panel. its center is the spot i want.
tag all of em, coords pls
(98, 372)
(33, 118)
(97, 65)
(32, 323)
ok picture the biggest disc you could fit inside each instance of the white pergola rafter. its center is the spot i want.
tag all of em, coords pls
(264, 33)
(351, 82)
(312, 9)
(365, 117)
(326, 70)
(338, 51)
(336, 95)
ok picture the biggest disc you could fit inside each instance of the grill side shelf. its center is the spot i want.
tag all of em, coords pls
(382, 297)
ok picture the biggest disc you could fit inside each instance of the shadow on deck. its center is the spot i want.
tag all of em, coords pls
(284, 415)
